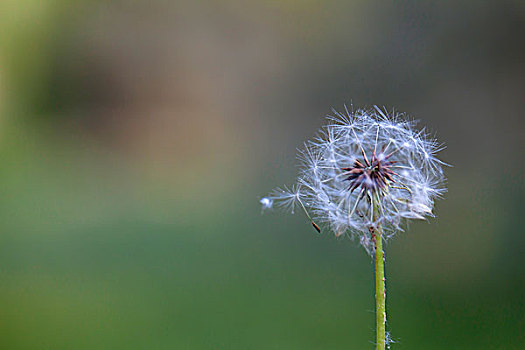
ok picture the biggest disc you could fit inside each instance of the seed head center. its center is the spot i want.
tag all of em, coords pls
(371, 176)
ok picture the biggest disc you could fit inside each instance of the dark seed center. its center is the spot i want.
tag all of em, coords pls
(372, 176)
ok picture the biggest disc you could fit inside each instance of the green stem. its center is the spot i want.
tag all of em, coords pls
(380, 282)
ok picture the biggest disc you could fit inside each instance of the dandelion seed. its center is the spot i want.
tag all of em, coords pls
(266, 203)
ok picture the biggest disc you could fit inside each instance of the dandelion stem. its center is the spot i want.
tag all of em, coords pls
(380, 279)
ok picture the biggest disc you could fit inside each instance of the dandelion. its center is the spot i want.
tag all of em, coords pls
(364, 176)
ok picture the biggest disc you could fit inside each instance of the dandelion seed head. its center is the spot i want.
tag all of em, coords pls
(358, 156)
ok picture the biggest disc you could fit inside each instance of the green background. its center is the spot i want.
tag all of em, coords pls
(136, 139)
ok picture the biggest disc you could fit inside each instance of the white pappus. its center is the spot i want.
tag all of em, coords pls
(360, 157)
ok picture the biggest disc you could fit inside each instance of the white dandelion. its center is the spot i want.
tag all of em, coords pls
(361, 157)
(365, 175)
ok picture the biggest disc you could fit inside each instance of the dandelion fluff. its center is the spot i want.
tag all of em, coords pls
(358, 158)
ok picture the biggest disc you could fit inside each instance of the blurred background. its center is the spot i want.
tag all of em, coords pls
(136, 138)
